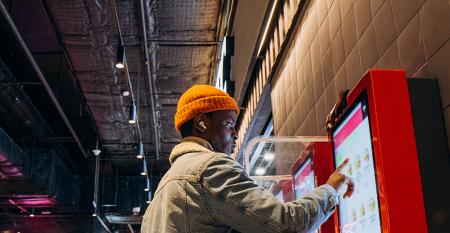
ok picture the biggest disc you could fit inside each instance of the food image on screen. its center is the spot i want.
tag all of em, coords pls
(352, 139)
(304, 179)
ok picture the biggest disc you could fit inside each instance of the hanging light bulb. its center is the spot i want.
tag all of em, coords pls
(140, 154)
(147, 187)
(149, 197)
(144, 168)
(133, 115)
(32, 212)
(120, 55)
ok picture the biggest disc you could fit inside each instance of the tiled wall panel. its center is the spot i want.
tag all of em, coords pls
(338, 40)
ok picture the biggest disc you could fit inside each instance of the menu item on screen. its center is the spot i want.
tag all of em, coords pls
(352, 139)
(304, 179)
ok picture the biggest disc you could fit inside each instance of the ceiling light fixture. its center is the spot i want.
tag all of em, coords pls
(149, 197)
(140, 154)
(260, 171)
(269, 21)
(144, 168)
(147, 187)
(120, 55)
(97, 150)
(32, 213)
(133, 114)
(125, 93)
(269, 156)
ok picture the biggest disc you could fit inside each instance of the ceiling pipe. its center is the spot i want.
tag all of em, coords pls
(150, 83)
(41, 77)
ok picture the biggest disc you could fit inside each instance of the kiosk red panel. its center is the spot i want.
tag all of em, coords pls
(377, 134)
(312, 169)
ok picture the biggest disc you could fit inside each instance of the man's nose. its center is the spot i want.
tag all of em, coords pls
(234, 134)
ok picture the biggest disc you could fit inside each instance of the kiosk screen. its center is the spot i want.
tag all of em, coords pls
(352, 139)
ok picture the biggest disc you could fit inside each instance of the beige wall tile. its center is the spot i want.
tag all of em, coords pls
(294, 86)
(295, 116)
(311, 123)
(327, 67)
(353, 68)
(307, 68)
(341, 80)
(337, 47)
(290, 126)
(411, 48)
(382, 24)
(322, 11)
(323, 132)
(439, 68)
(435, 25)
(363, 16)
(315, 53)
(334, 18)
(300, 79)
(375, 6)
(403, 11)
(368, 49)
(302, 110)
(346, 6)
(309, 95)
(321, 114)
(387, 34)
(390, 60)
(330, 97)
(324, 37)
(288, 98)
(349, 32)
(329, 4)
(423, 72)
(318, 83)
(313, 24)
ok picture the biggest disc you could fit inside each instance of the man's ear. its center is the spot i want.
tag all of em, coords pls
(201, 122)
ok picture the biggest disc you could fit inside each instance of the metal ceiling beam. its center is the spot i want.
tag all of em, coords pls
(41, 77)
(150, 80)
(185, 43)
(19, 83)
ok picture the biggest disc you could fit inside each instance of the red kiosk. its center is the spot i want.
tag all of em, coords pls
(312, 169)
(376, 133)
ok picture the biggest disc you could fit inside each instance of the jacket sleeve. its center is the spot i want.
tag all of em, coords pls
(233, 199)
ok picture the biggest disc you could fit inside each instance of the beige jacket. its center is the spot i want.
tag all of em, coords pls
(205, 191)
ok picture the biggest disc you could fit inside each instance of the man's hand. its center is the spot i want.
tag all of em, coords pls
(339, 181)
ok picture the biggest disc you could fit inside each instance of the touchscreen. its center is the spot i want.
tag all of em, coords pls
(304, 179)
(352, 139)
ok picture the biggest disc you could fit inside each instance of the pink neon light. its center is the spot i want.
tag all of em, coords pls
(8, 169)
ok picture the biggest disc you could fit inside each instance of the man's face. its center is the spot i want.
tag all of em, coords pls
(221, 133)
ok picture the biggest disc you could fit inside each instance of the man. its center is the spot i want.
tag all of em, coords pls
(207, 191)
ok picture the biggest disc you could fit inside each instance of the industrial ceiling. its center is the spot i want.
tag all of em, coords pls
(61, 93)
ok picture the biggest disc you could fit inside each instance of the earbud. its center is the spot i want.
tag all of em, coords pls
(202, 124)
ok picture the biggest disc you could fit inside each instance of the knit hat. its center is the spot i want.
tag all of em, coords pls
(202, 99)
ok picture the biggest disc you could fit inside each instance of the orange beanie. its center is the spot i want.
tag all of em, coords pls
(202, 99)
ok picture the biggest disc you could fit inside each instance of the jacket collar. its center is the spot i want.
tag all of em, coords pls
(189, 144)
